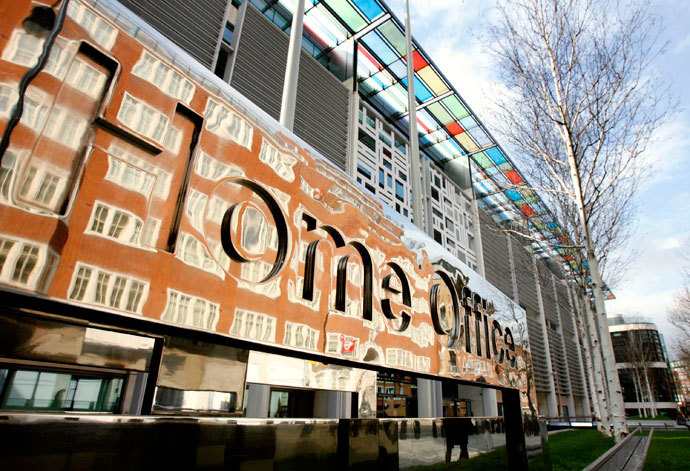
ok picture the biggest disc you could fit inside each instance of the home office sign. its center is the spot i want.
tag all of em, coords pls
(308, 251)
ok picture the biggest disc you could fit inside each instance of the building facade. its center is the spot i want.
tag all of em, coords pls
(137, 228)
(643, 367)
(681, 377)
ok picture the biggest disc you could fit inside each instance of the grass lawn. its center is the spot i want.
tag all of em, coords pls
(668, 451)
(573, 450)
(569, 451)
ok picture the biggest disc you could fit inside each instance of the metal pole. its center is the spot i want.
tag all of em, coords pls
(414, 138)
(287, 106)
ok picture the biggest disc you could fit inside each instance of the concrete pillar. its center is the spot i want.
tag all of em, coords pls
(332, 404)
(490, 403)
(552, 404)
(571, 401)
(258, 397)
(429, 398)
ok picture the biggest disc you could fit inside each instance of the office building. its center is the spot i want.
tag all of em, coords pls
(192, 256)
(643, 367)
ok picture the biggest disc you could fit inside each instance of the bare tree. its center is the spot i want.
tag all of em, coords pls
(679, 314)
(638, 356)
(581, 110)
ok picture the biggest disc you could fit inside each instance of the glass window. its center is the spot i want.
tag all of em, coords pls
(367, 140)
(397, 395)
(46, 390)
(399, 191)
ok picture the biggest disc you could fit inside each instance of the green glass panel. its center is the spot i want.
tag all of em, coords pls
(506, 167)
(439, 112)
(455, 107)
(347, 13)
(331, 19)
(483, 160)
(394, 36)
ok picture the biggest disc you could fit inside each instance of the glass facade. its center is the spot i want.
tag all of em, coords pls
(57, 391)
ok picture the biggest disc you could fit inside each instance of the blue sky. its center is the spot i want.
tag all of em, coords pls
(450, 32)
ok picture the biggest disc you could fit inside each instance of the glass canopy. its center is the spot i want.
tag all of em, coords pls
(448, 129)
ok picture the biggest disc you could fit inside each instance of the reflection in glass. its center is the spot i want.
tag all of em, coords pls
(396, 395)
(177, 400)
(45, 390)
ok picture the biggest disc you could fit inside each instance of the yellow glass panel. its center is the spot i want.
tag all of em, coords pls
(467, 142)
(432, 80)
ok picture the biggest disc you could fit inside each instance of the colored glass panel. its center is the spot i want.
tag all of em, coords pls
(398, 94)
(370, 8)
(439, 112)
(327, 20)
(480, 137)
(379, 47)
(482, 160)
(438, 136)
(491, 171)
(426, 118)
(418, 62)
(399, 70)
(466, 142)
(455, 107)
(496, 155)
(367, 65)
(513, 195)
(372, 84)
(395, 37)
(455, 128)
(420, 91)
(514, 177)
(468, 122)
(347, 14)
(433, 80)
(506, 166)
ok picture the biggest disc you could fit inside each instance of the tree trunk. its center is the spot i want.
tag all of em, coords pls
(602, 399)
(641, 411)
(589, 362)
(616, 407)
(652, 401)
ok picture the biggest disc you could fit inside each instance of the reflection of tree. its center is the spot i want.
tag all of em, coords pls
(514, 319)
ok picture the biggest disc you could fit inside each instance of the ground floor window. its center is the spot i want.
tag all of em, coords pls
(294, 403)
(24, 389)
(396, 395)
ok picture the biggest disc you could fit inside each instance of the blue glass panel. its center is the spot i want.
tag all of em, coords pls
(496, 155)
(378, 46)
(420, 90)
(370, 8)
(513, 195)
(468, 122)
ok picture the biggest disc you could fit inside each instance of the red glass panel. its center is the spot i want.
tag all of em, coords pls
(418, 61)
(527, 211)
(514, 177)
(455, 128)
